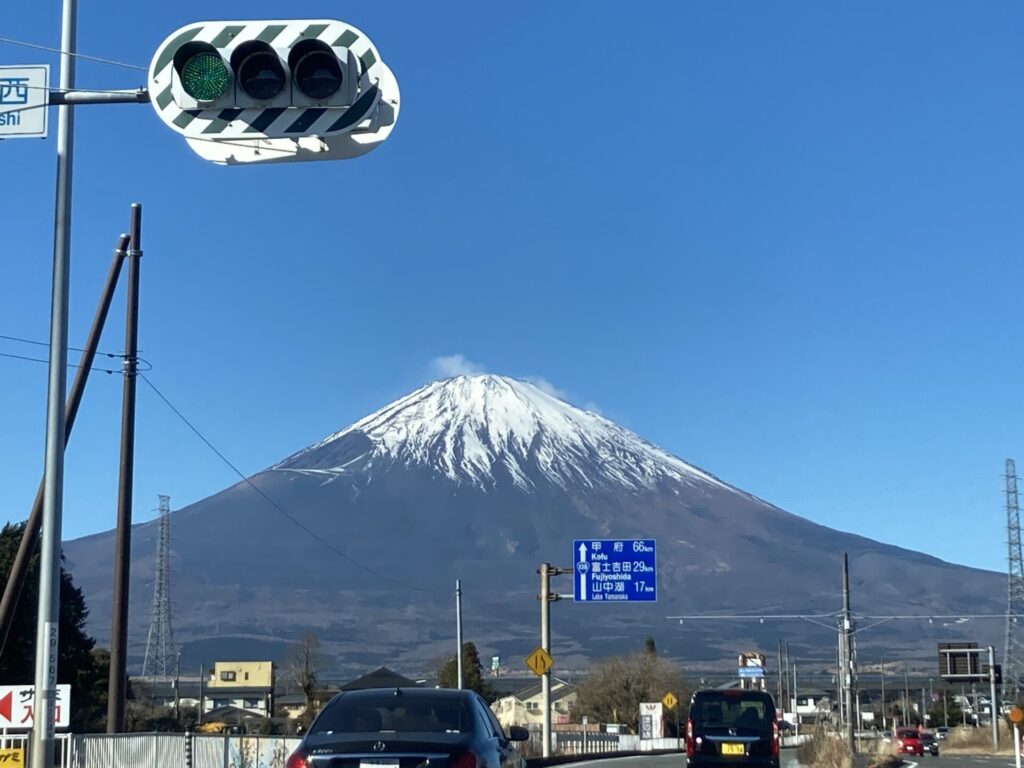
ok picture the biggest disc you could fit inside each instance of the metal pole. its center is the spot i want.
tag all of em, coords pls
(796, 713)
(1016, 745)
(859, 720)
(945, 710)
(177, 687)
(123, 539)
(785, 676)
(781, 703)
(545, 643)
(202, 680)
(30, 538)
(458, 630)
(848, 657)
(993, 704)
(47, 623)
(882, 676)
(906, 697)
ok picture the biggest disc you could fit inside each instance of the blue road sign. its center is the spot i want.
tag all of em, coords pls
(614, 570)
(750, 671)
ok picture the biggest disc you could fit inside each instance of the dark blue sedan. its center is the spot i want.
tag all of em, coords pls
(408, 728)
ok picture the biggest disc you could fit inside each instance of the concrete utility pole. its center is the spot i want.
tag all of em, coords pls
(123, 538)
(546, 571)
(882, 676)
(781, 702)
(993, 704)
(796, 714)
(458, 630)
(847, 672)
(545, 643)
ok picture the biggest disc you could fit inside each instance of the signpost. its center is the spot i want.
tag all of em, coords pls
(614, 570)
(652, 723)
(17, 707)
(24, 96)
(1016, 717)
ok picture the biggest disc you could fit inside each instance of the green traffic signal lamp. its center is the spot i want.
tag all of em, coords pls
(205, 77)
(203, 74)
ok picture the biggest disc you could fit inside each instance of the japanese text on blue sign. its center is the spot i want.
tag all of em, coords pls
(614, 570)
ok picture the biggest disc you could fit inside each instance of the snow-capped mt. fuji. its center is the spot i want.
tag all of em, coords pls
(361, 536)
(484, 430)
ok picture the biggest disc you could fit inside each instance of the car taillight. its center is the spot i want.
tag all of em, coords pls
(901, 743)
(464, 760)
(297, 760)
(775, 739)
(690, 746)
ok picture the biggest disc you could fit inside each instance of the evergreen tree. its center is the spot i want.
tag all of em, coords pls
(79, 664)
(472, 672)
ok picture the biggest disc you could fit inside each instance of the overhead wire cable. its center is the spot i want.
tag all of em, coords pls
(44, 360)
(271, 501)
(83, 56)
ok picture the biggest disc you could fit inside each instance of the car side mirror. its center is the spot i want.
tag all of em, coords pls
(518, 733)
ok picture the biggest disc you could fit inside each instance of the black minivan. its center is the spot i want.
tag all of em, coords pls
(732, 726)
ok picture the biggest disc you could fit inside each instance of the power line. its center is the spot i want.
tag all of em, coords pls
(36, 343)
(269, 500)
(44, 360)
(83, 56)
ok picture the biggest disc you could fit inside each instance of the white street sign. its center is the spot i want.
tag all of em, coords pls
(16, 703)
(23, 101)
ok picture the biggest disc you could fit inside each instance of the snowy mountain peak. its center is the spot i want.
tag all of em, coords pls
(484, 429)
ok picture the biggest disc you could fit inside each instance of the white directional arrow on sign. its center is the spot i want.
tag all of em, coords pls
(583, 571)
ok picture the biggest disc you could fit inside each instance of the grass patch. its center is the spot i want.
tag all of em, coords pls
(825, 749)
(973, 741)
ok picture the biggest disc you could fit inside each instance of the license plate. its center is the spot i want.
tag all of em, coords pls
(733, 749)
(378, 763)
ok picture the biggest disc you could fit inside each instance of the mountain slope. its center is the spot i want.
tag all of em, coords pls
(361, 536)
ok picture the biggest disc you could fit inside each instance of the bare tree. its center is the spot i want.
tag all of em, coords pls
(613, 690)
(303, 666)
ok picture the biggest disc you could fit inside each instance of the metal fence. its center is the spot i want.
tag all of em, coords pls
(178, 750)
(61, 748)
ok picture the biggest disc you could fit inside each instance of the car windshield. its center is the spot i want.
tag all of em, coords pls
(387, 711)
(907, 733)
(733, 712)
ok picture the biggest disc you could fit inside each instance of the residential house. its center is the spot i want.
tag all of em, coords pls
(247, 685)
(292, 704)
(526, 707)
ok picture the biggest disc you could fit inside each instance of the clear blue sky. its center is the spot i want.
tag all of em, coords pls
(782, 240)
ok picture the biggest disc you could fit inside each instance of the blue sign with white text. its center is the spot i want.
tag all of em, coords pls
(614, 570)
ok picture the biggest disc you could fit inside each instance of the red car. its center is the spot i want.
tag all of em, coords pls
(908, 742)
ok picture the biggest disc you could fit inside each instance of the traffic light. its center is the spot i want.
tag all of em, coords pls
(264, 91)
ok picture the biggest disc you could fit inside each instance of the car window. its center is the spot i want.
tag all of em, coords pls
(732, 712)
(387, 712)
(491, 724)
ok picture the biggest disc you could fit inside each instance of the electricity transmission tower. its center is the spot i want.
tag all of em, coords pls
(1013, 648)
(160, 655)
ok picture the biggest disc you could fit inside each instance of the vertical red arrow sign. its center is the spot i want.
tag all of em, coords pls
(5, 706)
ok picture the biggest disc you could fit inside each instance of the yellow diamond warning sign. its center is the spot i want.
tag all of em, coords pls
(669, 700)
(539, 661)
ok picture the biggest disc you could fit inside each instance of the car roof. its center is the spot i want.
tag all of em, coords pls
(732, 693)
(418, 694)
